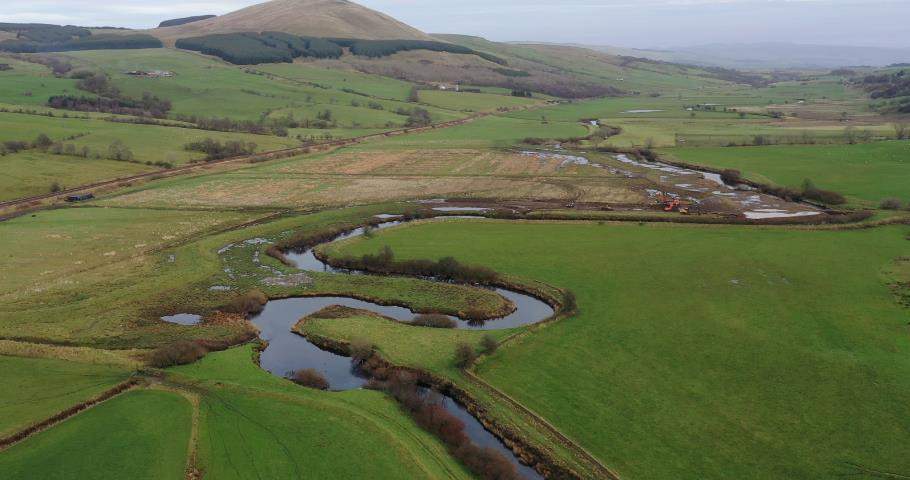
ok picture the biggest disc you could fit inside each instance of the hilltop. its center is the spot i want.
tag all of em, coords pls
(314, 18)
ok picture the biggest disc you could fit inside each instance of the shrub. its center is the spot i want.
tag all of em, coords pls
(55, 187)
(428, 412)
(248, 303)
(829, 197)
(178, 353)
(446, 268)
(310, 378)
(569, 302)
(475, 314)
(361, 350)
(419, 117)
(215, 150)
(489, 344)
(118, 151)
(113, 102)
(731, 176)
(42, 141)
(14, 146)
(433, 321)
(487, 462)
(891, 204)
(464, 355)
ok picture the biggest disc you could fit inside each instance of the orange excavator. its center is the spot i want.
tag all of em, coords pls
(673, 204)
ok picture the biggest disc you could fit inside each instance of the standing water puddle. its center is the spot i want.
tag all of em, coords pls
(183, 319)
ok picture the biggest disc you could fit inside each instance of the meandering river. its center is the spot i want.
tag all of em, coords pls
(288, 351)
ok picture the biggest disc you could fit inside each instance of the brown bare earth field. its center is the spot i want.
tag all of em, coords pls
(428, 162)
(353, 178)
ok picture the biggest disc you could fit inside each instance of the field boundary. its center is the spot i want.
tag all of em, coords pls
(568, 442)
(60, 417)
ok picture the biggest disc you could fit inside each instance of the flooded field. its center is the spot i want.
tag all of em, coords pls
(694, 186)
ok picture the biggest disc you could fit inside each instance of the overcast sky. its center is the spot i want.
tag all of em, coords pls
(633, 23)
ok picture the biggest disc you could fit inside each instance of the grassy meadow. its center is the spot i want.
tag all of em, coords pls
(207, 87)
(29, 397)
(432, 349)
(140, 434)
(148, 143)
(30, 84)
(28, 174)
(252, 424)
(755, 353)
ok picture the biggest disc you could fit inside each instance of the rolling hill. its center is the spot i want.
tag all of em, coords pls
(314, 18)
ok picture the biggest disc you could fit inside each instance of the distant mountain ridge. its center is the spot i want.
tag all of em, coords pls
(770, 55)
(313, 18)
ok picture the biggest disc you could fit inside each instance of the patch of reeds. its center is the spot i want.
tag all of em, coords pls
(251, 302)
(182, 352)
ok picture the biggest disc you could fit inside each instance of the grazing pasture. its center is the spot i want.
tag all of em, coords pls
(38, 388)
(698, 347)
(473, 102)
(139, 435)
(206, 87)
(27, 174)
(252, 423)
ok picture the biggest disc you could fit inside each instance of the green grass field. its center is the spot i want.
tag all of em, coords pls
(373, 85)
(472, 102)
(140, 435)
(427, 348)
(28, 174)
(30, 84)
(38, 388)
(754, 353)
(488, 132)
(148, 143)
(208, 87)
(866, 173)
(255, 424)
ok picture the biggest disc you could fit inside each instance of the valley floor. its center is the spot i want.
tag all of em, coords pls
(703, 345)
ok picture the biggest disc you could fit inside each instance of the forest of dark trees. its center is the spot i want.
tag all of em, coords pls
(44, 33)
(184, 20)
(63, 42)
(888, 86)
(274, 47)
